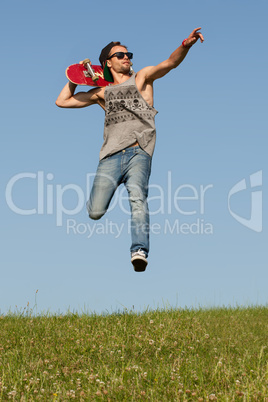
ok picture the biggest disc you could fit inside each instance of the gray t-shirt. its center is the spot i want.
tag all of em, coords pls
(128, 118)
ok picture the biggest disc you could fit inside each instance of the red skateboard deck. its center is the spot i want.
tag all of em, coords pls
(86, 74)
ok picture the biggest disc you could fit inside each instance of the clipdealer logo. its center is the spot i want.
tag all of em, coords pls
(186, 200)
(48, 198)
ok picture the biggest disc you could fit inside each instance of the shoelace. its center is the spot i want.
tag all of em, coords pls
(139, 252)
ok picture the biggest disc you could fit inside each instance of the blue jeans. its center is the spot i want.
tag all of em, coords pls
(131, 166)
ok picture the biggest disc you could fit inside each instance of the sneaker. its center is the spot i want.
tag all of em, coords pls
(139, 261)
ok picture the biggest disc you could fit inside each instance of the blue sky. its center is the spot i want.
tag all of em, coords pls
(211, 136)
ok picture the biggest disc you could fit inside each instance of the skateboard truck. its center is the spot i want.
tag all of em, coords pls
(90, 72)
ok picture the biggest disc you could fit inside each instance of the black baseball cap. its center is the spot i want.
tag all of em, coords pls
(103, 60)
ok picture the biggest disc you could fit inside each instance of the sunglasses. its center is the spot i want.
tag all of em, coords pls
(121, 55)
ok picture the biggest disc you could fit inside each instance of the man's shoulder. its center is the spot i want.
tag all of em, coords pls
(144, 73)
(145, 70)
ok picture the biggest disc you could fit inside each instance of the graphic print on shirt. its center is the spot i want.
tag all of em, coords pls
(122, 106)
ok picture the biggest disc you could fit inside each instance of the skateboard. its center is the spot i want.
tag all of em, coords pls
(86, 74)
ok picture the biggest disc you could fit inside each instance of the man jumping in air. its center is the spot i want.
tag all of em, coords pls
(129, 134)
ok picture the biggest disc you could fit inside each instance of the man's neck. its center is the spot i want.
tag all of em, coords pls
(119, 78)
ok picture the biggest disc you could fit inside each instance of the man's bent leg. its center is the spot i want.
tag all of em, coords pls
(105, 183)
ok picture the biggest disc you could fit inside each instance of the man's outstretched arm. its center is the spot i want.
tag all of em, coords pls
(154, 72)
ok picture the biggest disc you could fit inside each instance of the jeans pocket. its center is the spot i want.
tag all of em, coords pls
(139, 150)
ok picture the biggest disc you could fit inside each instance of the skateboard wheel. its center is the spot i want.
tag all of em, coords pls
(86, 61)
(95, 78)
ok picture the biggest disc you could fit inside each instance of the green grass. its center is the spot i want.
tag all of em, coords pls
(173, 355)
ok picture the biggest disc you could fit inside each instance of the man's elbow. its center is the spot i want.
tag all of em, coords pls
(59, 103)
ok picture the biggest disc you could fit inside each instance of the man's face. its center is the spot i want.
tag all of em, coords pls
(119, 65)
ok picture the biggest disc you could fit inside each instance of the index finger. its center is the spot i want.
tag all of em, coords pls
(195, 30)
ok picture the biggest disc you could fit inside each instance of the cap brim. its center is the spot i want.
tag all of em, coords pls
(107, 73)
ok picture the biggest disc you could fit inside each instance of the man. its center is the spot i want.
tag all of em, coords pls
(129, 134)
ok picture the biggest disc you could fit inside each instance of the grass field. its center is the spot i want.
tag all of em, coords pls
(164, 355)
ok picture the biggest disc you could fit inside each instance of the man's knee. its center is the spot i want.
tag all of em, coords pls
(93, 213)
